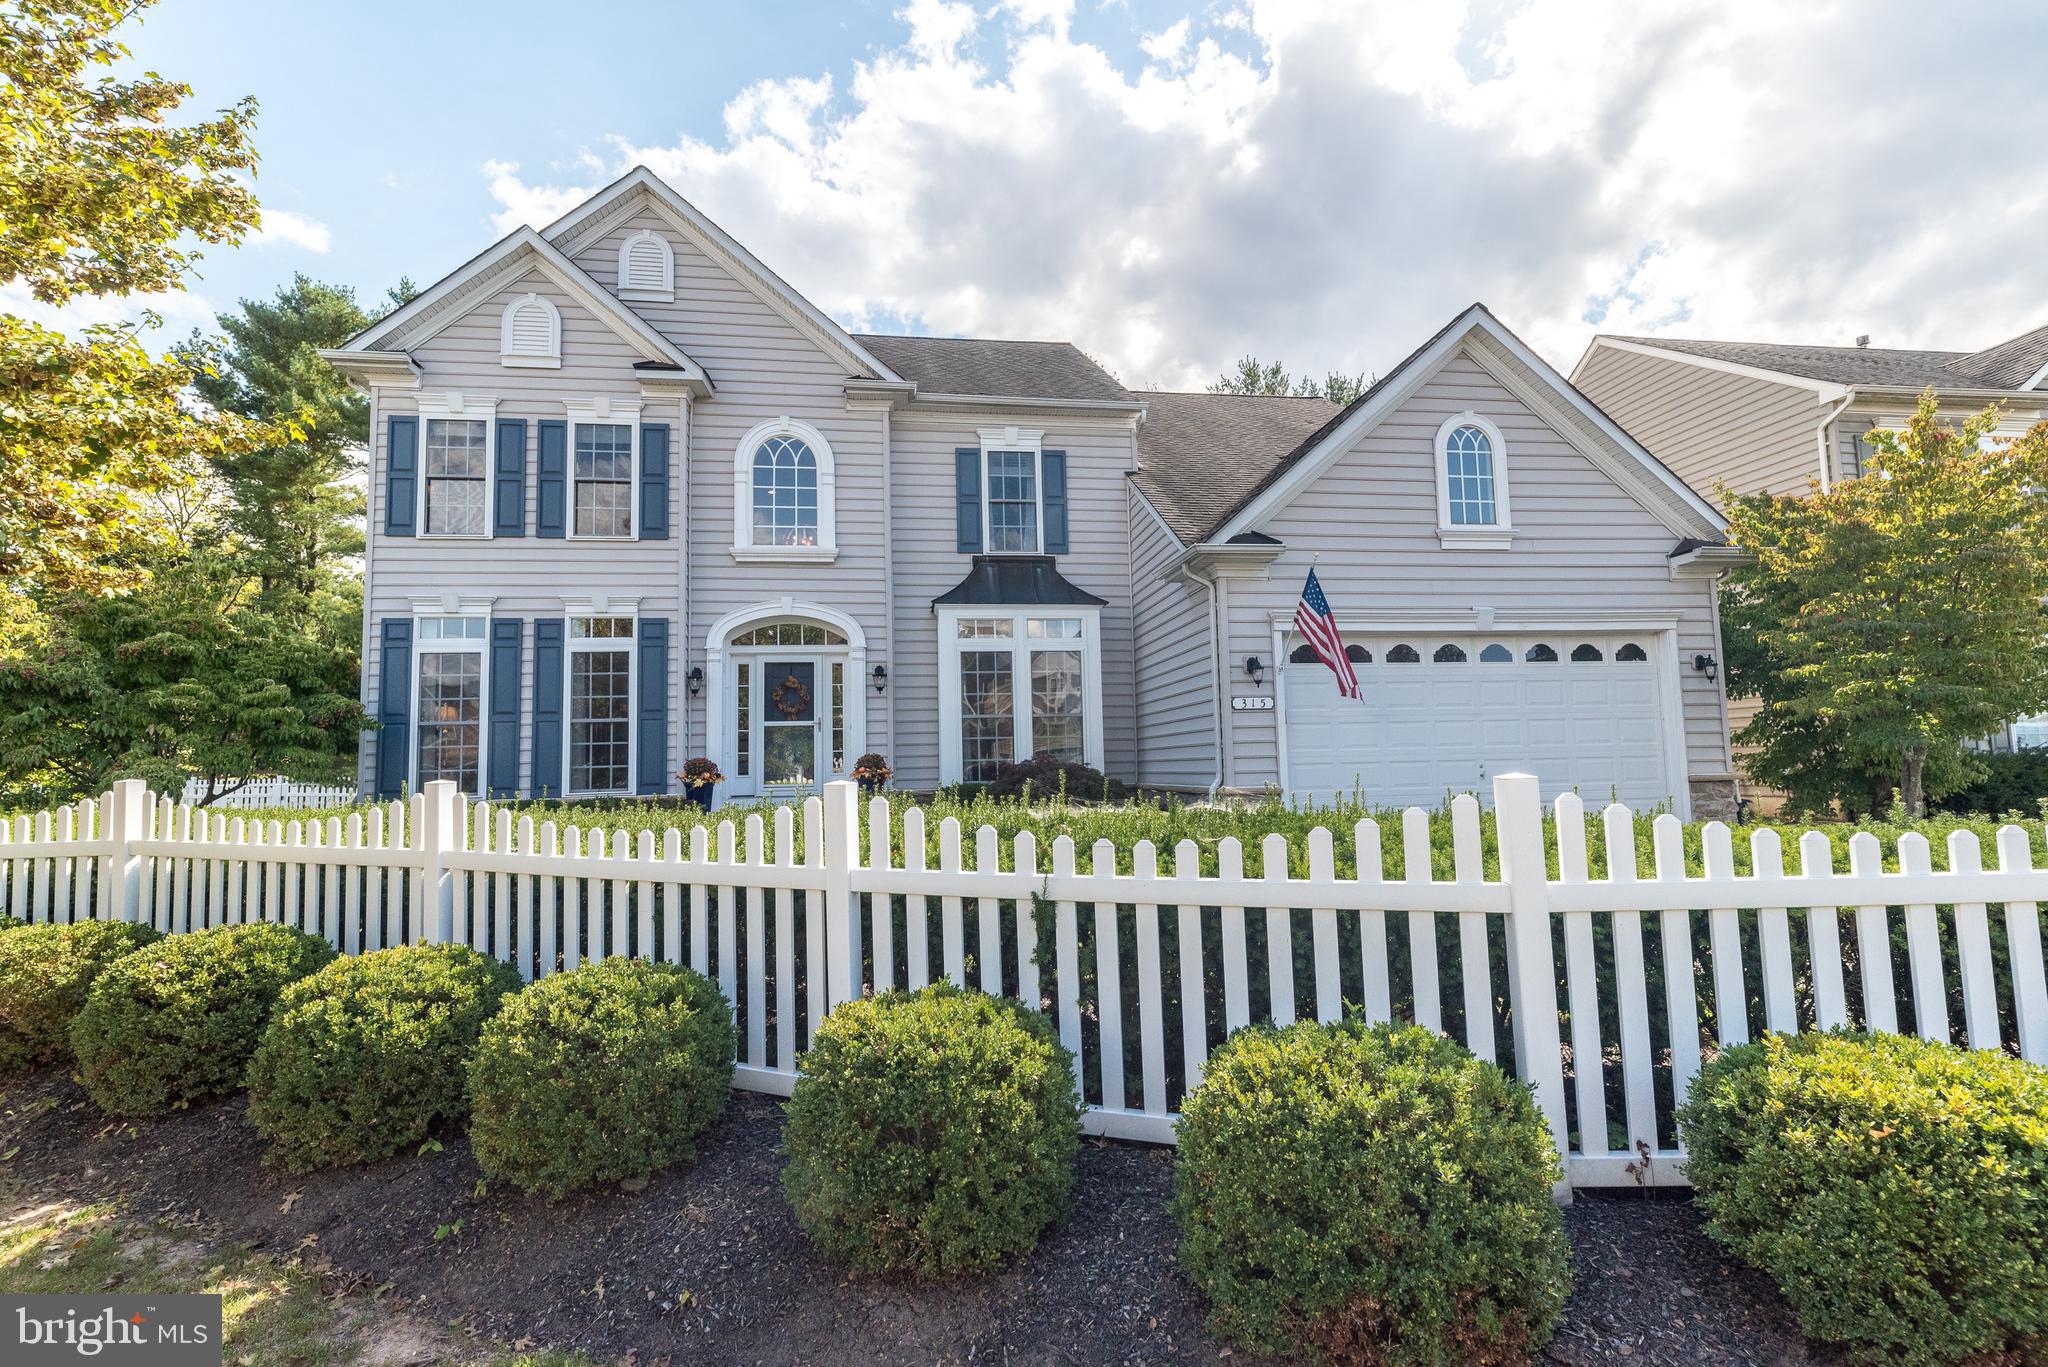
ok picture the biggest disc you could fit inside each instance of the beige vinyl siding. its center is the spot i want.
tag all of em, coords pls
(1582, 546)
(1174, 661)
(1848, 458)
(1710, 427)
(527, 576)
(762, 367)
(928, 564)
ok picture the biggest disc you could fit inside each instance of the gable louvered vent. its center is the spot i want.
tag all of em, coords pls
(532, 333)
(646, 265)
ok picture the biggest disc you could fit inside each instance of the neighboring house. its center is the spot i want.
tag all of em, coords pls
(633, 500)
(1756, 416)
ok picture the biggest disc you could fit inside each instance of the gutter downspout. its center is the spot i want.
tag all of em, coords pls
(1219, 658)
(1820, 437)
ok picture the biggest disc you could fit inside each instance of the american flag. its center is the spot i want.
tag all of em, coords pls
(1313, 619)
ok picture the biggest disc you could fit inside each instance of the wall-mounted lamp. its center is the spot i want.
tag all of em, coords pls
(1707, 665)
(881, 677)
(1255, 667)
(696, 680)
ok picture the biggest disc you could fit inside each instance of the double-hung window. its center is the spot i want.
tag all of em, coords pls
(455, 464)
(603, 479)
(600, 704)
(449, 692)
(1011, 479)
(1017, 684)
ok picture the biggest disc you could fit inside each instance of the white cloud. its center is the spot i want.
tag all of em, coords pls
(1326, 184)
(179, 311)
(282, 225)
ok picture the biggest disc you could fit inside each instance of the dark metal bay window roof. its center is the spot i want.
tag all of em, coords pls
(1015, 581)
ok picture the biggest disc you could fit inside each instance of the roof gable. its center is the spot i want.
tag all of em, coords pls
(1576, 418)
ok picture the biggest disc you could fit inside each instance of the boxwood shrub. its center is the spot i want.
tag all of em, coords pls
(176, 1022)
(367, 1055)
(932, 1132)
(1895, 1189)
(45, 972)
(603, 1074)
(1372, 1193)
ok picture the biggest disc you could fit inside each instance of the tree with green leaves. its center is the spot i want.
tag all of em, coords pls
(101, 192)
(1891, 619)
(1252, 377)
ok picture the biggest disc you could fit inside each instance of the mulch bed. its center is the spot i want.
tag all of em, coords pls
(706, 1264)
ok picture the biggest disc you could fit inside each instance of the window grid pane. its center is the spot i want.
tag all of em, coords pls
(785, 493)
(987, 714)
(604, 479)
(600, 720)
(745, 729)
(454, 473)
(1468, 468)
(838, 718)
(451, 717)
(1012, 502)
(1057, 716)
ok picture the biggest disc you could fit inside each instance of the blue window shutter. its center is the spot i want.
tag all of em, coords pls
(510, 491)
(1052, 473)
(394, 706)
(551, 480)
(652, 759)
(506, 634)
(653, 481)
(401, 476)
(548, 678)
(967, 498)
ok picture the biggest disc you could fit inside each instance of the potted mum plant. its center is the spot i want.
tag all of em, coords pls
(699, 776)
(870, 771)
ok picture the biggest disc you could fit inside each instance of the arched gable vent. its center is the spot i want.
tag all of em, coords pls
(647, 266)
(531, 333)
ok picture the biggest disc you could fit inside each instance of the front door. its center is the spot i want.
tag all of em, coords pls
(787, 704)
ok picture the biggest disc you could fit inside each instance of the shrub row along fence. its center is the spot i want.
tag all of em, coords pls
(1604, 995)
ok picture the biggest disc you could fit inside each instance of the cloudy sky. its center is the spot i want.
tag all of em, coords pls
(1172, 187)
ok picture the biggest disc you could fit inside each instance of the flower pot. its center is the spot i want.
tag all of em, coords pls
(870, 786)
(700, 796)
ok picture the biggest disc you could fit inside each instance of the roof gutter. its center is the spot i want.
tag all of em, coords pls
(1820, 436)
(1120, 407)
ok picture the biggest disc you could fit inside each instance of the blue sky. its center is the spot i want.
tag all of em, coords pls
(1173, 185)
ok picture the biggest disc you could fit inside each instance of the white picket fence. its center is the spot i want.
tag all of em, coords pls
(1604, 995)
(274, 792)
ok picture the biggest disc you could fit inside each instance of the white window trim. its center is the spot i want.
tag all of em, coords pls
(1500, 533)
(1013, 439)
(527, 360)
(743, 547)
(459, 408)
(663, 293)
(952, 765)
(573, 608)
(478, 609)
(612, 412)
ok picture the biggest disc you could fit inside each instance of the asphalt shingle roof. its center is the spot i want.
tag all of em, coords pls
(1200, 455)
(997, 369)
(2008, 365)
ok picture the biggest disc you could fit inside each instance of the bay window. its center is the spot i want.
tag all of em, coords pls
(1015, 684)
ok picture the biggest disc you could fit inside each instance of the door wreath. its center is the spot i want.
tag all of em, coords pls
(779, 699)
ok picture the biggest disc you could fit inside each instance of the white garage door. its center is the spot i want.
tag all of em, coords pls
(1444, 714)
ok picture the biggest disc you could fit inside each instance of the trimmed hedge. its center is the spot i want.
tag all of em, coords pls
(603, 1074)
(176, 1023)
(1895, 1189)
(367, 1055)
(932, 1132)
(1372, 1192)
(45, 973)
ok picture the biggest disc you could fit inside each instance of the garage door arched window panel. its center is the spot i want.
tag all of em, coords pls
(1540, 654)
(1472, 483)
(783, 494)
(1017, 683)
(1358, 655)
(1303, 655)
(1403, 655)
(1496, 654)
(1448, 654)
(1632, 653)
(1586, 653)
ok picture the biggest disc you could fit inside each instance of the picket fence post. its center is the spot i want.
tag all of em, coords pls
(842, 852)
(438, 833)
(124, 821)
(1532, 963)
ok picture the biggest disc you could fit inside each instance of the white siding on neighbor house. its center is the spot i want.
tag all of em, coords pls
(527, 576)
(928, 563)
(762, 367)
(1710, 427)
(1582, 546)
(1174, 660)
